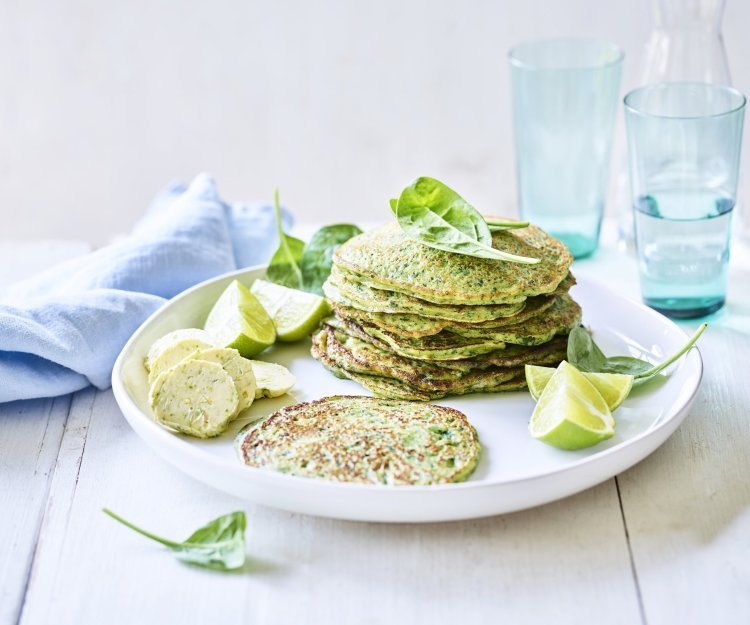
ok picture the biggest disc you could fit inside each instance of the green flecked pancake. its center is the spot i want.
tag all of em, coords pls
(342, 289)
(386, 258)
(398, 389)
(359, 353)
(366, 440)
(416, 326)
(560, 318)
(389, 375)
(544, 355)
(351, 355)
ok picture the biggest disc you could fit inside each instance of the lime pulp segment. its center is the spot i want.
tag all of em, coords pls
(238, 320)
(571, 413)
(295, 313)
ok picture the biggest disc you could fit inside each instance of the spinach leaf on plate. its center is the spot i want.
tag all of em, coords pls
(219, 545)
(627, 365)
(306, 266)
(657, 369)
(283, 268)
(585, 355)
(317, 256)
(434, 214)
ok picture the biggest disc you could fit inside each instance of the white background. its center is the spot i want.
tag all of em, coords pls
(337, 103)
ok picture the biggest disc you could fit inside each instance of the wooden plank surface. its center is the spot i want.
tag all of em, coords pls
(30, 437)
(688, 505)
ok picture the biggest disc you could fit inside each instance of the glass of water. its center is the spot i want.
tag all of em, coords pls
(684, 143)
(565, 100)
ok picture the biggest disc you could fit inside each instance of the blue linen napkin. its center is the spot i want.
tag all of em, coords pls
(62, 330)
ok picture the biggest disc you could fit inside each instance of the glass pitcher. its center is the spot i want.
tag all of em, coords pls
(686, 45)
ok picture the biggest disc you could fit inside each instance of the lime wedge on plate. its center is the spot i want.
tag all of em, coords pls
(295, 313)
(571, 413)
(238, 320)
(613, 387)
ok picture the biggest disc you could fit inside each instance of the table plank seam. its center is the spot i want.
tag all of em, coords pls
(74, 434)
(37, 530)
(633, 570)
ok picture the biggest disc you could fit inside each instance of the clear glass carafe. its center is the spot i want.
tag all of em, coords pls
(686, 45)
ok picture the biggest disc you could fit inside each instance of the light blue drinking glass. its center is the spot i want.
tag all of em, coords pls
(684, 142)
(565, 101)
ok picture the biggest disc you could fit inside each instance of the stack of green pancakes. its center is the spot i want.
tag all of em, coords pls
(413, 322)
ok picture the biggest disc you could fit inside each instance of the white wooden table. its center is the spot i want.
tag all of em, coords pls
(666, 542)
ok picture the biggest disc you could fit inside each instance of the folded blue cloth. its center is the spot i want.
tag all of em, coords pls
(63, 329)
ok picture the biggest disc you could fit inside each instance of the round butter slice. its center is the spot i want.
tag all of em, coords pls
(271, 380)
(239, 368)
(195, 397)
(175, 337)
(175, 353)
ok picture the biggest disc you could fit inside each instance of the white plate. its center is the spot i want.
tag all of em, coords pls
(515, 471)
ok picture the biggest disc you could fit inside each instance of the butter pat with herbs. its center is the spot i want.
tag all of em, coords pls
(195, 397)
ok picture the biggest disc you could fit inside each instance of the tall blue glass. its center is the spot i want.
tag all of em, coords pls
(565, 101)
(684, 143)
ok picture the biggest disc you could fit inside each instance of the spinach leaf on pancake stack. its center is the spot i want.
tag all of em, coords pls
(385, 258)
(414, 322)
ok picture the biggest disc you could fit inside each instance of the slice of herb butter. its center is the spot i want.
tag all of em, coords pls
(175, 353)
(175, 337)
(239, 368)
(195, 397)
(271, 380)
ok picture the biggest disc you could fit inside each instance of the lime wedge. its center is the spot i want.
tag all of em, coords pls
(239, 321)
(613, 387)
(295, 313)
(571, 413)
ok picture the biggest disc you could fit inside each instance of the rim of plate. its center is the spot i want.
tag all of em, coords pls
(122, 395)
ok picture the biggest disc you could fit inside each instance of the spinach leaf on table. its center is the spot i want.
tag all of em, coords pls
(283, 268)
(219, 545)
(317, 256)
(434, 214)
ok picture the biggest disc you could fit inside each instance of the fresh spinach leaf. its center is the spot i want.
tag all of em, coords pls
(627, 365)
(657, 369)
(302, 266)
(283, 268)
(495, 224)
(219, 545)
(432, 197)
(432, 213)
(585, 355)
(317, 257)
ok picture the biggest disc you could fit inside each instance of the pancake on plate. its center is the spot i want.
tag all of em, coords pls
(366, 440)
